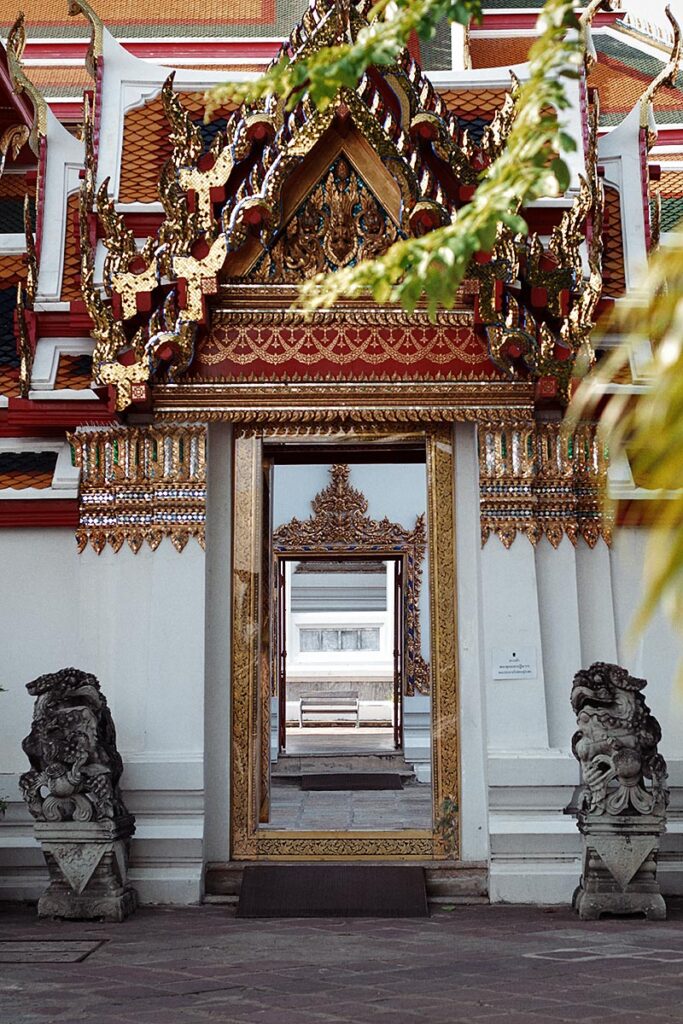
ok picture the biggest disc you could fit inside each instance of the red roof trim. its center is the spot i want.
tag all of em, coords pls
(26, 512)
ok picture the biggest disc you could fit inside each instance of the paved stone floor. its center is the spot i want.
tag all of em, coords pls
(474, 965)
(386, 809)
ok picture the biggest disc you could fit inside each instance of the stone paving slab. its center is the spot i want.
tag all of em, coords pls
(472, 965)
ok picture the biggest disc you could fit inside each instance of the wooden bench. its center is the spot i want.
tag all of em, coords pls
(330, 707)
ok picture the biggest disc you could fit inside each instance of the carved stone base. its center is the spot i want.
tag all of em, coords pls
(88, 866)
(619, 868)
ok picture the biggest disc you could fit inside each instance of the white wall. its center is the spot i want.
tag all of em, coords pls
(137, 623)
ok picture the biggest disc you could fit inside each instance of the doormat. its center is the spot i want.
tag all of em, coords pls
(46, 951)
(332, 781)
(332, 890)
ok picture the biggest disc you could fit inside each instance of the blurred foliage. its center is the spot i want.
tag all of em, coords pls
(647, 428)
(529, 167)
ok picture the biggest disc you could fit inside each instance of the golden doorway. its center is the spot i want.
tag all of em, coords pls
(254, 659)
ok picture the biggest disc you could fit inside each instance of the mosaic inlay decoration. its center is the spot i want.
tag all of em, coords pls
(140, 484)
(540, 479)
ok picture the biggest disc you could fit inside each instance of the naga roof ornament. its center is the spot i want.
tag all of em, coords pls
(225, 207)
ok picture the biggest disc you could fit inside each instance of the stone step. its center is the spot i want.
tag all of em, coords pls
(450, 883)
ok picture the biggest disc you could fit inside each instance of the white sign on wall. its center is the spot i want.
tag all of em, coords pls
(514, 662)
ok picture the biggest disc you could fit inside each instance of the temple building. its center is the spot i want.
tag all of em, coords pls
(355, 541)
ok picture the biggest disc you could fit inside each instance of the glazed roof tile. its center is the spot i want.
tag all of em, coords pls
(498, 51)
(74, 372)
(670, 187)
(613, 275)
(56, 81)
(145, 19)
(146, 145)
(9, 381)
(12, 268)
(71, 280)
(9, 358)
(473, 102)
(19, 470)
(621, 76)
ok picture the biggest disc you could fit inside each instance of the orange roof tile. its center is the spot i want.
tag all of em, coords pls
(620, 88)
(146, 146)
(19, 470)
(613, 275)
(9, 382)
(56, 81)
(473, 102)
(12, 268)
(74, 372)
(16, 185)
(499, 52)
(141, 17)
(71, 280)
(670, 184)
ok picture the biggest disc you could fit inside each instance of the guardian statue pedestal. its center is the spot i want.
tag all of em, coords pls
(72, 790)
(622, 809)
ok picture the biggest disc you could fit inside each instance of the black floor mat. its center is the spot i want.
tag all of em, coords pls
(332, 890)
(333, 781)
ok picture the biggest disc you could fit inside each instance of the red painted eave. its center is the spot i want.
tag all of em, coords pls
(26, 416)
(501, 20)
(27, 512)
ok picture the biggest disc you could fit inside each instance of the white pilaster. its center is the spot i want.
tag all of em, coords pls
(558, 604)
(516, 708)
(596, 604)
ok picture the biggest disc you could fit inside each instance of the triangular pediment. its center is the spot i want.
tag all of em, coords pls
(339, 222)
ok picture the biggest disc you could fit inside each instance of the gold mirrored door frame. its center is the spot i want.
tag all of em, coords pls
(251, 662)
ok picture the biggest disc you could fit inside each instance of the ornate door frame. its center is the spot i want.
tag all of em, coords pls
(251, 658)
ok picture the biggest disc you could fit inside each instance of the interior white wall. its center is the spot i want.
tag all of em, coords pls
(137, 623)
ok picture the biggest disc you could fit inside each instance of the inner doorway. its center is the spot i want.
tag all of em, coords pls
(340, 636)
(350, 712)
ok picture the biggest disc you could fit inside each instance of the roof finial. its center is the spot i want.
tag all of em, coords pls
(16, 43)
(95, 50)
(667, 76)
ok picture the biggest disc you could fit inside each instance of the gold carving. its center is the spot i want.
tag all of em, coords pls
(344, 337)
(140, 484)
(13, 138)
(444, 631)
(339, 525)
(339, 223)
(343, 403)
(250, 842)
(25, 347)
(96, 47)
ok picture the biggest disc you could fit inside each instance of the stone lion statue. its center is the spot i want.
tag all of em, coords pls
(75, 766)
(616, 743)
